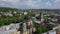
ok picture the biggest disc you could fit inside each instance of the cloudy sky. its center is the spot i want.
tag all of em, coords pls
(31, 4)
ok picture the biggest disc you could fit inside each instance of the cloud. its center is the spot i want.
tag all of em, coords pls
(30, 3)
(57, 0)
(10, 0)
(48, 3)
(33, 4)
(9, 3)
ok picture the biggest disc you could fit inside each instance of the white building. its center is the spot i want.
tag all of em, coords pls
(8, 14)
(10, 29)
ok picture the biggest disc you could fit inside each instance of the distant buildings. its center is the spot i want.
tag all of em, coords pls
(8, 14)
(14, 13)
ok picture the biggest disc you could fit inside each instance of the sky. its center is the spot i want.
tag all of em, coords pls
(31, 4)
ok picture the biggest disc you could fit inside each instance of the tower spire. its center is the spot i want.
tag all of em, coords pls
(42, 17)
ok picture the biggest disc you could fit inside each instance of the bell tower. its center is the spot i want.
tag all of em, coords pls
(42, 18)
(24, 28)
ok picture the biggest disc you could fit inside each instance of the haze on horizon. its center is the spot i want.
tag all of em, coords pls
(31, 4)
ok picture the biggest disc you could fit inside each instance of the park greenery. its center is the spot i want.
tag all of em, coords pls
(8, 20)
(40, 29)
(2, 9)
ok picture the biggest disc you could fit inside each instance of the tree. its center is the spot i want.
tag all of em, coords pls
(40, 29)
